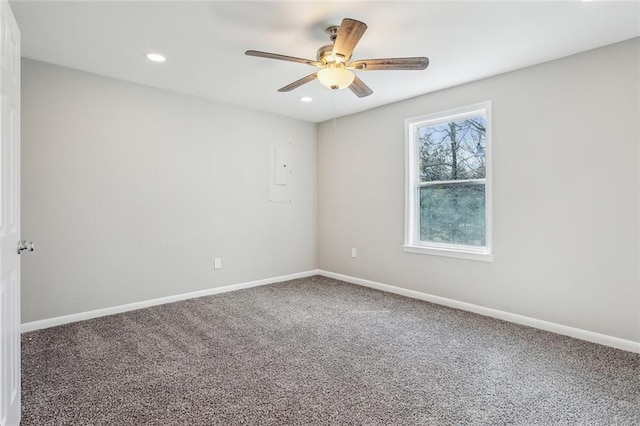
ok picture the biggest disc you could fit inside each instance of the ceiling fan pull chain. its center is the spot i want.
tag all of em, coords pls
(333, 110)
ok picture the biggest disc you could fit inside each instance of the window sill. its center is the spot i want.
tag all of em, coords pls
(450, 252)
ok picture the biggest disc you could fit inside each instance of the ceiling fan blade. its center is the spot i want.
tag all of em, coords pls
(348, 36)
(298, 83)
(418, 63)
(268, 55)
(359, 88)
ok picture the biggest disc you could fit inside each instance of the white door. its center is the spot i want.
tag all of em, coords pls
(9, 218)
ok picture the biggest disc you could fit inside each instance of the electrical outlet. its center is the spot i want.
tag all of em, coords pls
(354, 253)
(217, 263)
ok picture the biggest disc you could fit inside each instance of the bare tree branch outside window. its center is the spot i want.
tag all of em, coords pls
(452, 213)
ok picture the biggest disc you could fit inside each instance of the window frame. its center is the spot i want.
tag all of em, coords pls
(412, 243)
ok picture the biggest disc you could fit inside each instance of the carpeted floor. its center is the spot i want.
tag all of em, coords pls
(320, 351)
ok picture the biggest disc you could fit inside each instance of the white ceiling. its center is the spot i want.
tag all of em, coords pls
(205, 43)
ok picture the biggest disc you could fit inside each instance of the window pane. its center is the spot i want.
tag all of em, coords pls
(453, 214)
(454, 150)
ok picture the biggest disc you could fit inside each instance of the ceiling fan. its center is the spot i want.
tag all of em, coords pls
(336, 64)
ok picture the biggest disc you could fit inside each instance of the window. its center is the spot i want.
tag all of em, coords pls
(448, 187)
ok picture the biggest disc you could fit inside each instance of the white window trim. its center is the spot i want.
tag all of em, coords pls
(412, 244)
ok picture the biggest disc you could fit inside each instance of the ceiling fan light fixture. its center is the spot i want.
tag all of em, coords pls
(335, 78)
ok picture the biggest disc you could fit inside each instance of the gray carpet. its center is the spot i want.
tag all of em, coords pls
(320, 351)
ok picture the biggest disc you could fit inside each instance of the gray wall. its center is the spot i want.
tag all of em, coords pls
(129, 193)
(565, 200)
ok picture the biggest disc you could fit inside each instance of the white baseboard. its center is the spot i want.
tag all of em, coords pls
(52, 322)
(603, 339)
(590, 336)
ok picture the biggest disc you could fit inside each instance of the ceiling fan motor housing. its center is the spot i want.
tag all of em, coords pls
(325, 56)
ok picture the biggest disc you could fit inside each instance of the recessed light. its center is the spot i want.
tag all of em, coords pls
(306, 99)
(155, 57)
